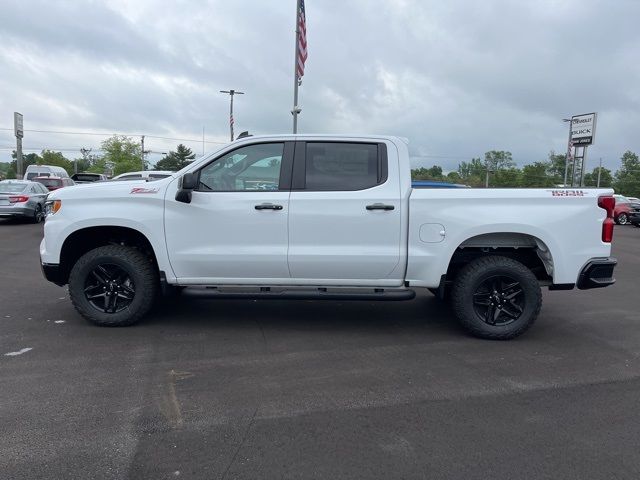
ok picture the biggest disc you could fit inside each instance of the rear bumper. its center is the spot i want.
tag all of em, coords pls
(53, 273)
(597, 273)
(12, 211)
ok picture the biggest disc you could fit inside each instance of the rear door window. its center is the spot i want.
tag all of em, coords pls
(344, 166)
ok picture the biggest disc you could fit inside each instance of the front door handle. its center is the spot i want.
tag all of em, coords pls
(268, 206)
(380, 206)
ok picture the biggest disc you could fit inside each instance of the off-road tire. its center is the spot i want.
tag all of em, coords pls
(478, 271)
(140, 269)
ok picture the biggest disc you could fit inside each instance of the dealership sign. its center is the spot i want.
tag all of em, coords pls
(583, 129)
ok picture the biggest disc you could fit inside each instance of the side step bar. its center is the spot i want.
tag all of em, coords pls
(279, 293)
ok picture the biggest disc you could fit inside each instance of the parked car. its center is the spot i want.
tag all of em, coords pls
(22, 198)
(344, 223)
(148, 175)
(622, 210)
(88, 177)
(34, 171)
(54, 183)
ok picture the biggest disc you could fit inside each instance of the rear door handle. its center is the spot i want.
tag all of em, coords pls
(380, 206)
(268, 206)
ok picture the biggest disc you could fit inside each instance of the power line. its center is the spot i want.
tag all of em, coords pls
(57, 132)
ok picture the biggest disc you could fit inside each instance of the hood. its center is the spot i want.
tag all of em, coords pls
(130, 188)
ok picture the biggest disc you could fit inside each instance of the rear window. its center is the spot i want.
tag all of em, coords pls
(343, 166)
(12, 187)
(50, 182)
(32, 175)
(80, 177)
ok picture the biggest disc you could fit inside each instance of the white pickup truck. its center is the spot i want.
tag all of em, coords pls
(323, 217)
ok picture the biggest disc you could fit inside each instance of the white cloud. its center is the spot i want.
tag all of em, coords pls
(457, 78)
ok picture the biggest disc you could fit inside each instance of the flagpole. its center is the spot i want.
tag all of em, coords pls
(296, 110)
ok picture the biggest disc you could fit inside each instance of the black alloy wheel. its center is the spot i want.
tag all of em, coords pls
(496, 297)
(623, 219)
(109, 288)
(113, 285)
(499, 300)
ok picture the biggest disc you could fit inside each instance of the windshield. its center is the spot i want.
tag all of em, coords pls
(12, 187)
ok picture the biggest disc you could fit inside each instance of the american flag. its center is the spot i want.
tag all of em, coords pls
(302, 41)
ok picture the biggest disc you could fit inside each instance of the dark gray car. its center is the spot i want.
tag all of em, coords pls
(22, 198)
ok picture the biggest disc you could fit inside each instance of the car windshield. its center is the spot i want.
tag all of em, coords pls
(50, 182)
(12, 187)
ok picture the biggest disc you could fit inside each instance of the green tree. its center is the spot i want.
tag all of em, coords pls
(27, 159)
(472, 173)
(627, 178)
(505, 178)
(121, 155)
(433, 173)
(177, 160)
(536, 175)
(498, 160)
(556, 166)
(50, 157)
(454, 177)
(591, 179)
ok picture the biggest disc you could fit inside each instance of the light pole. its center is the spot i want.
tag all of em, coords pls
(566, 158)
(231, 93)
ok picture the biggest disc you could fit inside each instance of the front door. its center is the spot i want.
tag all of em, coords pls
(235, 228)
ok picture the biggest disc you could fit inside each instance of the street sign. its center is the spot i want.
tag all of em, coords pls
(18, 129)
(583, 129)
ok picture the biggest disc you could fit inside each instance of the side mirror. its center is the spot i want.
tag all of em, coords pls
(189, 182)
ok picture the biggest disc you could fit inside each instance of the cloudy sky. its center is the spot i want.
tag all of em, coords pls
(456, 77)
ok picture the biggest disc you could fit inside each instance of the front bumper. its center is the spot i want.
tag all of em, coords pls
(53, 273)
(597, 273)
(634, 217)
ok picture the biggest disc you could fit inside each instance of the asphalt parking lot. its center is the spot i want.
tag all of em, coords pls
(299, 389)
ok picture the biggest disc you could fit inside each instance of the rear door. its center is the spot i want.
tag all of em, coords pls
(345, 214)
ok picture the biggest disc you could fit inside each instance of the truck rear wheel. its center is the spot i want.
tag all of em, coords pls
(113, 286)
(496, 298)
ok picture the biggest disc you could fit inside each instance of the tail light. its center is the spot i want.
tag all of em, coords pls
(608, 203)
(18, 199)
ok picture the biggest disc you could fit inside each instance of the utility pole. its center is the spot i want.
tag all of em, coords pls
(568, 155)
(142, 151)
(231, 93)
(18, 130)
(599, 172)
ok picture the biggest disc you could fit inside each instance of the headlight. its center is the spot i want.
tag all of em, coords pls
(52, 206)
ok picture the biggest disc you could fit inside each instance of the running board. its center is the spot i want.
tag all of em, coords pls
(280, 293)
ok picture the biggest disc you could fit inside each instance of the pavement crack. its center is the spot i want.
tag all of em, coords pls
(242, 442)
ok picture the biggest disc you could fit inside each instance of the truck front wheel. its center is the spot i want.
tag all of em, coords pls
(496, 298)
(113, 286)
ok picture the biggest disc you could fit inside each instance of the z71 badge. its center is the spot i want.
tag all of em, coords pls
(143, 190)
